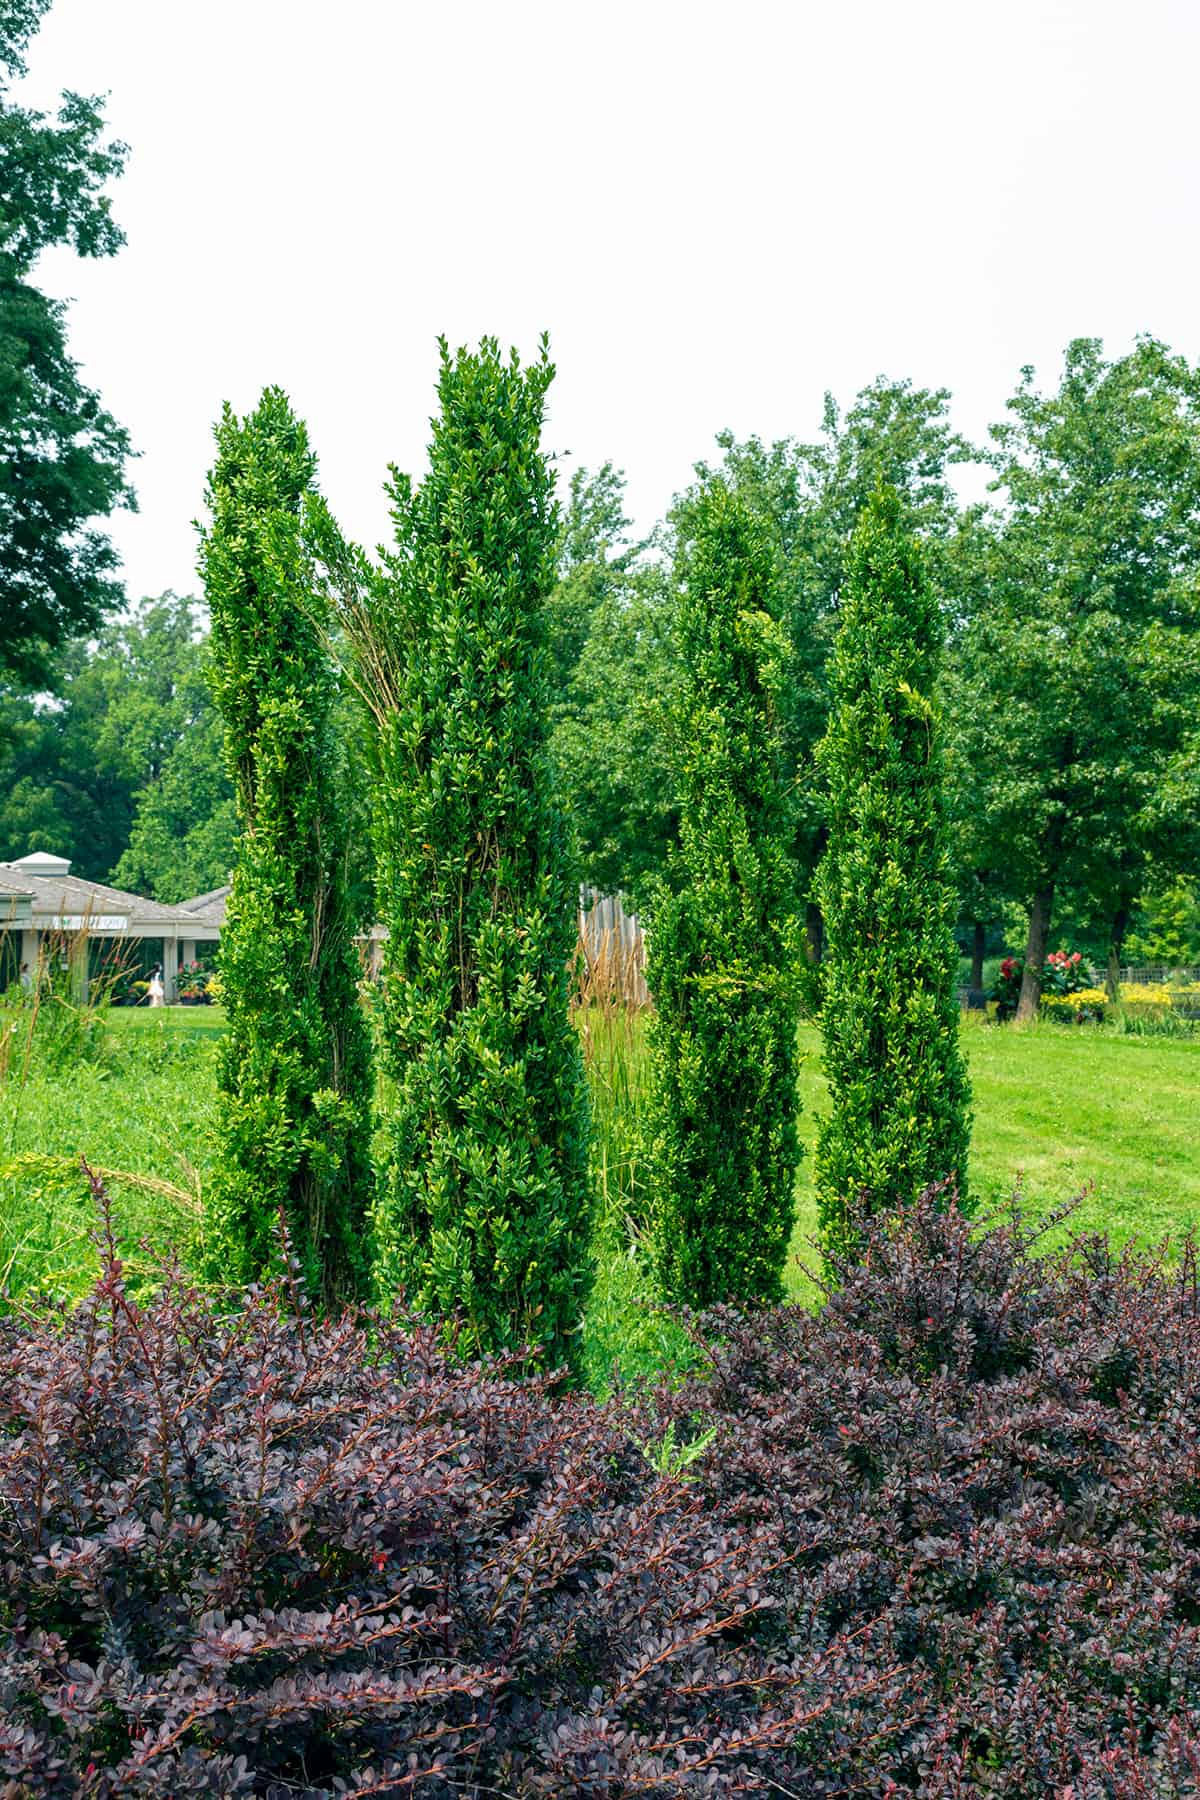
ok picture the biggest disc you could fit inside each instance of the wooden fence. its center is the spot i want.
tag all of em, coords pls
(613, 947)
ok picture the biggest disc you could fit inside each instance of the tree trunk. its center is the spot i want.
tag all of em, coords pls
(977, 949)
(814, 933)
(1035, 952)
(1116, 941)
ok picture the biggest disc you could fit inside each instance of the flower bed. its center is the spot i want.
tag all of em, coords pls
(193, 983)
(942, 1538)
(1087, 1006)
(1064, 974)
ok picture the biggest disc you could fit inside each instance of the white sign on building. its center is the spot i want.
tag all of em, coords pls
(99, 924)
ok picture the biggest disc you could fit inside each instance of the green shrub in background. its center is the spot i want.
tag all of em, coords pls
(723, 1148)
(295, 1078)
(484, 1208)
(899, 1093)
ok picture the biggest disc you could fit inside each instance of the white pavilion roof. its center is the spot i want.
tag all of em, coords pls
(60, 901)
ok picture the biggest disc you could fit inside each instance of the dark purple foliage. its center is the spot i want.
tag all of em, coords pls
(946, 1541)
(995, 1459)
(255, 1553)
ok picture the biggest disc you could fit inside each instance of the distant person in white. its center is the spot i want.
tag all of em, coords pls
(157, 991)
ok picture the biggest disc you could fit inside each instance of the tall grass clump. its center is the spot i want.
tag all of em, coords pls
(612, 1033)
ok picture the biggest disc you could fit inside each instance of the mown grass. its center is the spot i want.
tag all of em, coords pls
(1061, 1111)
(1058, 1110)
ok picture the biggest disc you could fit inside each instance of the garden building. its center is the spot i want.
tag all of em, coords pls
(44, 909)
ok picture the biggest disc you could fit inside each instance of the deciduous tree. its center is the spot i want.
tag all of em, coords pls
(62, 455)
(1082, 651)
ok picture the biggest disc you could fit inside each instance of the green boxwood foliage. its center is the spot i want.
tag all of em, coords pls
(295, 1074)
(722, 941)
(484, 1205)
(900, 1098)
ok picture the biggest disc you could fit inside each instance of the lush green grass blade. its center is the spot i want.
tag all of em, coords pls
(1057, 1108)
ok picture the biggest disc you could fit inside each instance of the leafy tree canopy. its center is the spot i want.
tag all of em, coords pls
(1078, 674)
(610, 620)
(128, 737)
(62, 455)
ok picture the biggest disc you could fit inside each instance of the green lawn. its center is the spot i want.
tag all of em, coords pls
(1057, 1108)
(1062, 1108)
(178, 1021)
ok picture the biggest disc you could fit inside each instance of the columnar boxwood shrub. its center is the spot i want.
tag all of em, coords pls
(899, 1114)
(484, 1208)
(722, 947)
(294, 1114)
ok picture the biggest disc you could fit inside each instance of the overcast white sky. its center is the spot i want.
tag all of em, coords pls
(717, 211)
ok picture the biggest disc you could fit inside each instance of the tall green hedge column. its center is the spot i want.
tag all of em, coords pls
(295, 1080)
(898, 1085)
(485, 1208)
(722, 935)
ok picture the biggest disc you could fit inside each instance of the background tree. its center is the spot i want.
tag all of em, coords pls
(899, 1095)
(127, 745)
(609, 625)
(610, 741)
(810, 495)
(294, 1073)
(183, 836)
(722, 1043)
(593, 553)
(1081, 653)
(485, 1206)
(1167, 933)
(62, 456)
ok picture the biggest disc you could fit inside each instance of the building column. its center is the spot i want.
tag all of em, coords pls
(170, 969)
(29, 957)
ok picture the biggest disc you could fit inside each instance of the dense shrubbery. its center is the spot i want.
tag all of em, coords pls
(992, 1462)
(265, 1554)
(944, 1541)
